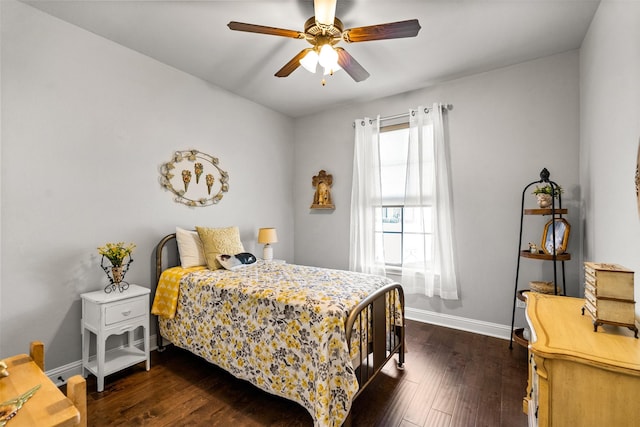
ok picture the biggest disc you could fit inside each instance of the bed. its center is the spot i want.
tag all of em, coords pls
(312, 335)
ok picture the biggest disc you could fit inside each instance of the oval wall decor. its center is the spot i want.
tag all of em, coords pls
(194, 178)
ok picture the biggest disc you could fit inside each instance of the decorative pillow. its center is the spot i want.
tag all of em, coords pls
(219, 241)
(233, 262)
(190, 248)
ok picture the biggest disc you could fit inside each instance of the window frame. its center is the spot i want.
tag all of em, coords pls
(387, 264)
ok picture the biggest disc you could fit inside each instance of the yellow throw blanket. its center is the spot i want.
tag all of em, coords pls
(166, 299)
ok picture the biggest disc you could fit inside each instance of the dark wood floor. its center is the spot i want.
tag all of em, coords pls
(451, 378)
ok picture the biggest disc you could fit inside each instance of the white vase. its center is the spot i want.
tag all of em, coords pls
(544, 200)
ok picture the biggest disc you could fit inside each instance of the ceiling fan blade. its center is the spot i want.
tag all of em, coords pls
(392, 30)
(261, 29)
(291, 66)
(351, 66)
(325, 11)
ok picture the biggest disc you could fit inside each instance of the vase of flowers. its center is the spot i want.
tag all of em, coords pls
(544, 195)
(119, 255)
(118, 273)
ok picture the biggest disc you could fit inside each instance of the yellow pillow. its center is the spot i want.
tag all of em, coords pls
(219, 241)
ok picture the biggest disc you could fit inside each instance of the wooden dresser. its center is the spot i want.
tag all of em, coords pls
(578, 377)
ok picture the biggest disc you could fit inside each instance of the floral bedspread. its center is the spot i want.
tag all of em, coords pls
(279, 326)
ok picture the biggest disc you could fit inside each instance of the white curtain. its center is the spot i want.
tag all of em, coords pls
(366, 252)
(429, 269)
(428, 184)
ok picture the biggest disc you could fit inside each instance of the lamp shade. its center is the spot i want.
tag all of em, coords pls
(310, 61)
(267, 235)
(328, 57)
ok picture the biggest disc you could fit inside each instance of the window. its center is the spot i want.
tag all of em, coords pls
(406, 219)
(401, 175)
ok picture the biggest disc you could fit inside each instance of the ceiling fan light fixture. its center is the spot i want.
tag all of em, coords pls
(328, 57)
(310, 61)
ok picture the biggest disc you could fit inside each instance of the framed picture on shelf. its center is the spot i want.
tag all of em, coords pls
(562, 229)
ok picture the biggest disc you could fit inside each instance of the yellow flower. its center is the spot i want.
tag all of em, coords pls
(116, 252)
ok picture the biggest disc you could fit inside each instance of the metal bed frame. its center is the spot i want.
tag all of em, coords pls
(382, 333)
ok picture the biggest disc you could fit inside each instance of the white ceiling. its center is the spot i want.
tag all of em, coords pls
(458, 38)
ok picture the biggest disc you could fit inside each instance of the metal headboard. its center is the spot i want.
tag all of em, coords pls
(159, 269)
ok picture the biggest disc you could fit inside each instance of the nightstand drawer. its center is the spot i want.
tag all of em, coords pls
(127, 310)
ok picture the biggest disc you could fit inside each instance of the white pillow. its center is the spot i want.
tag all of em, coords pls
(190, 248)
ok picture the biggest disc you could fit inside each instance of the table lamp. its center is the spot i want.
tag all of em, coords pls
(267, 236)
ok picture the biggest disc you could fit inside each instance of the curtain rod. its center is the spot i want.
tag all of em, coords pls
(448, 107)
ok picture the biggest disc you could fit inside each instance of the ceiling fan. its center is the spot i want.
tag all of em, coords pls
(323, 31)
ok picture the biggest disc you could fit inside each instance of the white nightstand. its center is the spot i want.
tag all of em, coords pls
(114, 314)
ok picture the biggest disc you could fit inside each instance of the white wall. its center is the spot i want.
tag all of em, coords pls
(505, 127)
(86, 124)
(610, 135)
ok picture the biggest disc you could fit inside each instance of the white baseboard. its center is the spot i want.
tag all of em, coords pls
(60, 375)
(470, 325)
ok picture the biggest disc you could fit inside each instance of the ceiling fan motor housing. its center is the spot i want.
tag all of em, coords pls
(318, 34)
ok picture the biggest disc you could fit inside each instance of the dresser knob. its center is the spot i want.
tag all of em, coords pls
(126, 313)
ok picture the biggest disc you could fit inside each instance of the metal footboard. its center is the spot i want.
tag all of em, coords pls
(378, 325)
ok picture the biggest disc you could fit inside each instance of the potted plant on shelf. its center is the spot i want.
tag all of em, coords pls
(544, 195)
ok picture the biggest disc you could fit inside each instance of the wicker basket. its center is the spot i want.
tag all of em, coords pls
(543, 287)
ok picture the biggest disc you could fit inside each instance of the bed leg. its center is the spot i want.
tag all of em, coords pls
(159, 342)
(402, 350)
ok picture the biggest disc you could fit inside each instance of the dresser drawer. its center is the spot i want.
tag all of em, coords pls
(609, 280)
(589, 296)
(615, 311)
(589, 278)
(115, 313)
(591, 309)
(590, 288)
